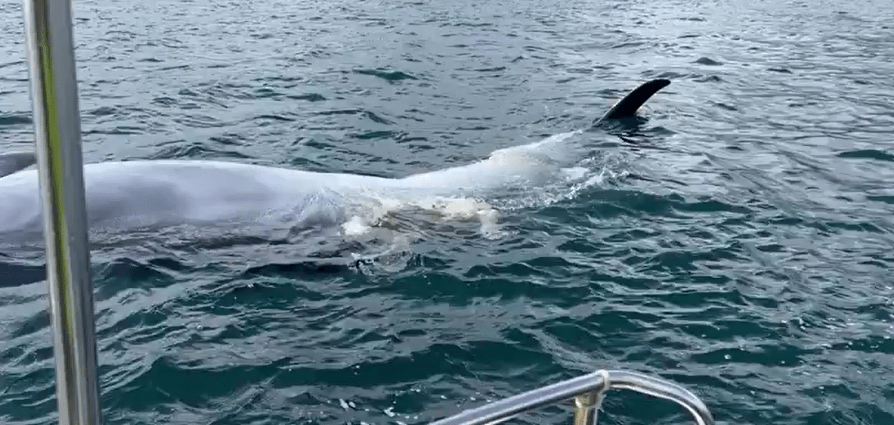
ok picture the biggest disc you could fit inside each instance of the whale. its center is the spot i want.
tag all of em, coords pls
(146, 194)
(11, 162)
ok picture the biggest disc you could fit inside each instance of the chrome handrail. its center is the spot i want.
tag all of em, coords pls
(57, 131)
(588, 392)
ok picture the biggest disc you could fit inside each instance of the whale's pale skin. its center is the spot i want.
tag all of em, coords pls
(139, 194)
(122, 195)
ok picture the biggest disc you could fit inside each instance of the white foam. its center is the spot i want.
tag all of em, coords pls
(355, 226)
(575, 173)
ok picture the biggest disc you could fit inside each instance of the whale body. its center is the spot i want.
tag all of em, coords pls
(150, 193)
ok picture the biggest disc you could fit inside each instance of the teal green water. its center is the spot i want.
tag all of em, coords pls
(738, 242)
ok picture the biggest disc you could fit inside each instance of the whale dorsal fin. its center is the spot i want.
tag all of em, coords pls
(15, 161)
(627, 106)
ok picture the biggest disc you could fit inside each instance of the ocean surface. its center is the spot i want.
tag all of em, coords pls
(738, 241)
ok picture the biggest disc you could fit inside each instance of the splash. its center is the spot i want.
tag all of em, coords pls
(536, 175)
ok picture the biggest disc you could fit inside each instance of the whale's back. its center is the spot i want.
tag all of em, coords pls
(530, 164)
(154, 193)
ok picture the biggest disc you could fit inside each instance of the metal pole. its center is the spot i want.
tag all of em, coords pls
(54, 95)
(586, 407)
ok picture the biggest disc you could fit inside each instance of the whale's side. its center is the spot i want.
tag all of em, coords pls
(12, 162)
(125, 195)
(170, 192)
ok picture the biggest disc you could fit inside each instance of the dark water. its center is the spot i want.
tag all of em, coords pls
(740, 243)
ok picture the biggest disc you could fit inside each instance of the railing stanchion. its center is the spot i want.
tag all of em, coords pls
(57, 130)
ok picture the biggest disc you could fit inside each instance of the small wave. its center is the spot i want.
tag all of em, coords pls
(390, 76)
(310, 97)
(867, 154)
(194, 150)
(15, 119)
(704, 60)
(13, 274)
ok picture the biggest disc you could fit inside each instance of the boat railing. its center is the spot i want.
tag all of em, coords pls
(588, 391)
(54, 96)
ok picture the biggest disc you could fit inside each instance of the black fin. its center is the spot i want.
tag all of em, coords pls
(15, 161)
(627, 106)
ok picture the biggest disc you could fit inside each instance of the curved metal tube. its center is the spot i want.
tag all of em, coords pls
(656, 387)
(591, 386)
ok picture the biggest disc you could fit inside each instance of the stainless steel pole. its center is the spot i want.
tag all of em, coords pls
(54, 95)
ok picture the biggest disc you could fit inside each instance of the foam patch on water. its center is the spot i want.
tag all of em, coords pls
(570, 183)
(355, 226)
(447, 208)
(575, 173)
